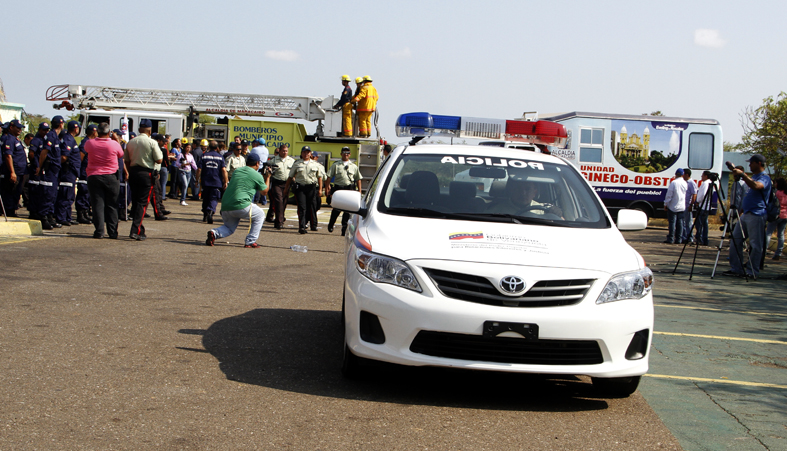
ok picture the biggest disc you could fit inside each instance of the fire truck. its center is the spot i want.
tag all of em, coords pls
(177, 113)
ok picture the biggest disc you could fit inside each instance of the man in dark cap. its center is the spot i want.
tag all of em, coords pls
(69, 172)
(346, 176)
(237, 203)
(212, 177)
(304, 177)
(753, 219)
(82, 202)
(49, 162)
(13, 166)
(141, 156)
(33, 184)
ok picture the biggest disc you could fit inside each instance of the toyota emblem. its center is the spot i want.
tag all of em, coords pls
(512, 284)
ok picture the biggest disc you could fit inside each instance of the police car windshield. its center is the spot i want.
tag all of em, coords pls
(492, 189)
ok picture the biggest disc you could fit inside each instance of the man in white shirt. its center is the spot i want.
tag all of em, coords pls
(675, 205)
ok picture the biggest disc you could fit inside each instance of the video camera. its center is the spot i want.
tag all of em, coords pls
(714, 177)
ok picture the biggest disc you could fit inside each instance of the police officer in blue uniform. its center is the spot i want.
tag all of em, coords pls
(33, 187)
(83, 194)
(212, 176)
(13, 167)
(49, 162)
(69, 172)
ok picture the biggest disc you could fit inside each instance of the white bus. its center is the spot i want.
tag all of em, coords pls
(630, 160)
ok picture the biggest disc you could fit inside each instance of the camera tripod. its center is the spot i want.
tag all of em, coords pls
(705, 206)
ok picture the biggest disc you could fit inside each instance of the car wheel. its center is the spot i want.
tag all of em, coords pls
(616, 387)
(352, 365)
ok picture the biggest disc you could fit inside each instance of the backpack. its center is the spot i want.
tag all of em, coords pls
(772, 206)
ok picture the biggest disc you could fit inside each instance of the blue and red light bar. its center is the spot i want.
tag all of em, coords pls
(536, 132)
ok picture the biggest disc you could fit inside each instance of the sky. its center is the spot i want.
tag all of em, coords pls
(497, 59)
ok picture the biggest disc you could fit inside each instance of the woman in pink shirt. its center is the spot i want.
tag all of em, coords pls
(102, 181)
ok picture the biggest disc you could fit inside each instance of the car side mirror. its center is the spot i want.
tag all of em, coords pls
(349, 201)
(632, 220)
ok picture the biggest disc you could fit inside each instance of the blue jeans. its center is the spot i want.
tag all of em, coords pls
(778, 226)
(231, 219)
(688, 221)
(753, 226)
(164, 173)
(183, 184)
(702, 227)
(675, 219)
(173, 190)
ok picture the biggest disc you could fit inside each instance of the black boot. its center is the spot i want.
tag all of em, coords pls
(45, 223)
(83, 218)
(210, 217)
(204, 216)
(52, 222)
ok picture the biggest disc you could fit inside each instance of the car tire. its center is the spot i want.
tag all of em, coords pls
(352, 365)
(616, 387)
(344, 291)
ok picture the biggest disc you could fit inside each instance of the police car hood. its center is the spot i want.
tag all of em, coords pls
(408, 238)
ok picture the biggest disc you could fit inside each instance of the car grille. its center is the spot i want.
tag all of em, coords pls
(545, 293)
(506, 349)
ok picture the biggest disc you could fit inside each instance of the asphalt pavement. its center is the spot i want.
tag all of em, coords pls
(168, 343)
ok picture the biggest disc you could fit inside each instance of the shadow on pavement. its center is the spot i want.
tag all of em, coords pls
(301, 351)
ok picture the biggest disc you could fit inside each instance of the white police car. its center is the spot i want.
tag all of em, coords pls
(528, 275)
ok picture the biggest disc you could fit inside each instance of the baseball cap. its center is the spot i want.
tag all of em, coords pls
(145, 123)
(132, 135)
(345, 149)
(44, 126)
(679, 172)
(117, 132)
(756, 157)
(90, 128)
(306, 149)
(73, 124)
(252, 159)
(260, 141)
(243, 142)
(57, 120)
(16, 123)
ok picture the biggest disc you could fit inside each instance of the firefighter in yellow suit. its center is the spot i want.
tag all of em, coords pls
(367, 103)
(347, 107)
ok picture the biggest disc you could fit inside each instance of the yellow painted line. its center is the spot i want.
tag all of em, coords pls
(722, 381)
(16, 240)
(717, 337)
(721, 310)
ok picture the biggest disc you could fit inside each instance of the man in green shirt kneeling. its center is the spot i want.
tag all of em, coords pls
(237, 203)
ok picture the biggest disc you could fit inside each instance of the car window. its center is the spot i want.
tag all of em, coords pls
(490, 188)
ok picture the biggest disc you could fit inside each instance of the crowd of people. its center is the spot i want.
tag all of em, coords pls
(108, 179)
(689, 206)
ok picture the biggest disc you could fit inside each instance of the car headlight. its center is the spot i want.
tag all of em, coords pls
(381, 269)
(630, 285)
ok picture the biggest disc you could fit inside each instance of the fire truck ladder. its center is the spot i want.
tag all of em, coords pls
(109, 98)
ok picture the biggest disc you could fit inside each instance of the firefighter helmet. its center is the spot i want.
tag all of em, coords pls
(367, 78)
(346, 78)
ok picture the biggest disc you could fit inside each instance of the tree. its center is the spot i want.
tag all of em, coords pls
(33, 120)
(207, 119)
(655, 113)
(765, 132)
(730, 147)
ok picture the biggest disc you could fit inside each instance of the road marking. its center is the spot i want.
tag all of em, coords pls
(717, 337)
(722, 381)
(721, 310)
(15, 240)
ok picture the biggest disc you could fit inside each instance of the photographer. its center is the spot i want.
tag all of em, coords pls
(753, 219)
